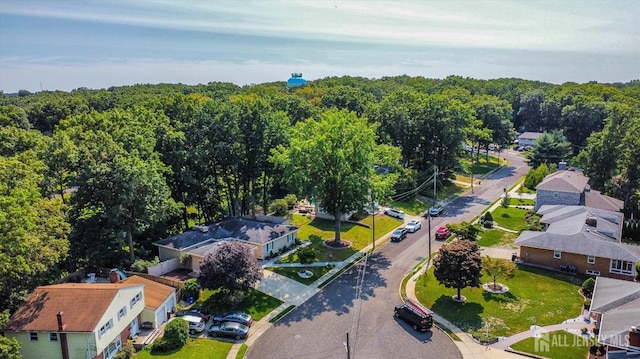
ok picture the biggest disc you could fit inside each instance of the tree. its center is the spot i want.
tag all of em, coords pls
(587, 286)
(9, 347)
(550, 148)
(307, 255)
(332, 162)
(176, 334)
(279, 207)
(458, 265)
(495, 268)
(464, 230)
(232, 267)
(506, 200)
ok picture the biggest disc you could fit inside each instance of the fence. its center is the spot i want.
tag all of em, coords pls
(164, 267)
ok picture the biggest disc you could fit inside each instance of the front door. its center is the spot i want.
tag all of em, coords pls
(134, 327)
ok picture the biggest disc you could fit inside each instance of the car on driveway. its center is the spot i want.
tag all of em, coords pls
(399, 234)
(238, 317)
(231, 330)
(435, 211)
(442, 232)
(394, 213)
(194, 312)
(413, 226)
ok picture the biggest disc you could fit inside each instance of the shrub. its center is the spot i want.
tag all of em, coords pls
(587, 286)
(279, 207)
(176, 334)
(185, 259)
(291, 200)
(307, 254)
(506, 200)
(488, 216)
(191, 288)
(141, 265)
(487, 224)
(126, 352)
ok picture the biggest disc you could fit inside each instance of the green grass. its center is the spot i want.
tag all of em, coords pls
(414, 207)
(510, 218)
(359, 236)
(242, 351)
(536, 296)
(515, 201)
(282, 314)
(193, 349)
(562, 345)
(292, 272)
(252, 301)
(481, 166)
(450, 189)
(524, 189)
(496, 237)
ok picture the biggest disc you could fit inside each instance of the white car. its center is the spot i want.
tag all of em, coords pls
(394, 213)
(413, 226)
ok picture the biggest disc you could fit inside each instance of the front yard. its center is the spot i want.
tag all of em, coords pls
(496, 238)
(561, 345)
(536, 296)
(253, 302)
(511, 218)
(292, 272)
(193, 349)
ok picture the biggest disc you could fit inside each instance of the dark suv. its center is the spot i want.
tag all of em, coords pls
(399, 234)
(419, 318)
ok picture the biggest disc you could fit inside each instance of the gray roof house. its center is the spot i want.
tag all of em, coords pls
(585, 239)
(528, 138)
(570, 187)
(617, 304)
(266, 236)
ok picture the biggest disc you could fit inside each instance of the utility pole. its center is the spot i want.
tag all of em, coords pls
(347, 347)
(373, 230)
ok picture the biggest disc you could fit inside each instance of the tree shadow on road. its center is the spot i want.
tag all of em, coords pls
(341, 295)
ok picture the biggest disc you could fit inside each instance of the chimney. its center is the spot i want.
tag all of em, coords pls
(562, 166)
(591, 221)
(634, 336)
(64, 346)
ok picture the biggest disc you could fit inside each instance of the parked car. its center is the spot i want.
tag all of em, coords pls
(442, 232)
(413, 226)
(435, 211)
(399, 234)
(194, 312)
(394, 213)
(238, 317)
(196, 324)
(417, 318)
(232, 330)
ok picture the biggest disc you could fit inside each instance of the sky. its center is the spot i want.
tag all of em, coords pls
(68, 44)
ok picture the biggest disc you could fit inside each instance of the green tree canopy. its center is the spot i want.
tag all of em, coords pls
(458, 265)
(550, 148)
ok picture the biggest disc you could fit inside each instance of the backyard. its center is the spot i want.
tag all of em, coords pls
(536, 296)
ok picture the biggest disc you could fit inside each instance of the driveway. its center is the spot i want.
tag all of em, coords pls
(361, 301)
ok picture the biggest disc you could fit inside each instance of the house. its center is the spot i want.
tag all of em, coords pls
(617, 304)
(569, 187)
(265, 235)
(580, 239)
(159, 301)
(528, 138)
(77, 320)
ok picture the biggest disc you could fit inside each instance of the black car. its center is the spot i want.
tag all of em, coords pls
(435, 211)
(418, 317)
(232, 330)
(398, 235)
(238, 317)
(195, 312)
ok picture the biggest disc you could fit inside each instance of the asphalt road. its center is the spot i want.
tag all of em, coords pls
(361, 301)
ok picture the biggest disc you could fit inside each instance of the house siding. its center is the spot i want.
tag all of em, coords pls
(544, 197)
(544, 257)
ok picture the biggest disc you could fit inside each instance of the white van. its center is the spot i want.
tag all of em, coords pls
(196, 324)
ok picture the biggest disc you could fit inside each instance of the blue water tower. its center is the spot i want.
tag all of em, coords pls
(296, 80)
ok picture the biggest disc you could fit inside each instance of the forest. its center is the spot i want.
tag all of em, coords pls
(91, 178)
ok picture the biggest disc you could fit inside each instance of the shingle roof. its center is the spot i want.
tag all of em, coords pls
(564, 181)
(83, 305)
(568, 231)
(234, 228)
(154, 293)
(596, 199)
(530, 135)
(618, 302)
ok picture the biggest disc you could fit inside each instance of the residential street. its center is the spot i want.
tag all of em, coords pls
(361, 301)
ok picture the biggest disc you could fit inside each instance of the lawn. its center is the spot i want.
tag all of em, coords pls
(254, 302)
(292, 272)
(496, 237)
(358, 235)
(561, 345)
(536, 296)
(414, 207)
(515, 201)
(481, 166)
(193, 349)
(510, 218)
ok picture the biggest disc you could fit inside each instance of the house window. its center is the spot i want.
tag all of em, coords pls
(113, 347)
(105, 328)
(269, 246)
(136, 299)
(122, 312)
(557, 254)
(33, 336)
(591, 259)
(621, 267)
(290, 237)
(53, 337)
